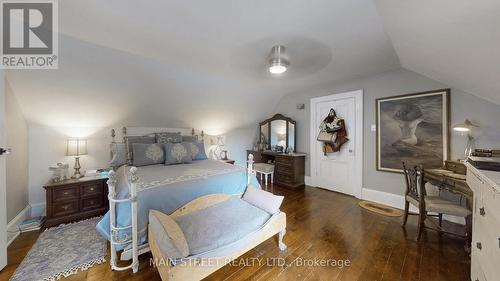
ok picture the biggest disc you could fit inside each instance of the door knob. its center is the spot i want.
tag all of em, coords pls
(5, 151)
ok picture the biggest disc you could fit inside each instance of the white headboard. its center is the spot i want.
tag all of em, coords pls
(143, 131)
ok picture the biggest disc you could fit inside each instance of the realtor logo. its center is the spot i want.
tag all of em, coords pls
(29, 34)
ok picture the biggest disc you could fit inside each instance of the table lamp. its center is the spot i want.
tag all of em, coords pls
(466, 128)
(76, 147)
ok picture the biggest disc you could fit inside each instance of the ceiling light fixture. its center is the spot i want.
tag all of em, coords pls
(278, 60)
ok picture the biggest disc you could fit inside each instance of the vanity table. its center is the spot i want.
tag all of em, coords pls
(288, 168)
(278, 134)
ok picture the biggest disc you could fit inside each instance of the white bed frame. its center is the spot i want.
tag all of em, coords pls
(133, 250)
(199, 267)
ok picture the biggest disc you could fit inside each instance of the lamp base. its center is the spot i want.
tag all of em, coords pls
(77, 173)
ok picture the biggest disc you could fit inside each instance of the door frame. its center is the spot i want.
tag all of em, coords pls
(358, 146)
(3, 186)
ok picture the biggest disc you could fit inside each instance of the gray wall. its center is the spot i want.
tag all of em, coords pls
(17, 163)
(401, 81)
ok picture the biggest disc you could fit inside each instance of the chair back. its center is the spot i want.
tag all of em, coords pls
(414, 182)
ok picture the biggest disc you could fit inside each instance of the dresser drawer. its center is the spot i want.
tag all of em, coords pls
(280, 170)
(283, 161)
(486, 247)
(285, 178)
(91, 203)
(476, 272)
(64, 193)
(91, 189)
(63, 209)
(491, 199)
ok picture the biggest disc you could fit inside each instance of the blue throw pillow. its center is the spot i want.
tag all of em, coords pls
(177, 153)
(198, 151)
(168, 137)
(147, 154)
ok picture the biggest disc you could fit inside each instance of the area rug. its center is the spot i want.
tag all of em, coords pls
(62, 251)
(380, 209)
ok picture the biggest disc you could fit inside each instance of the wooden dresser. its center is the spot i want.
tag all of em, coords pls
(289, 169)
(485, 257)
(75, 199)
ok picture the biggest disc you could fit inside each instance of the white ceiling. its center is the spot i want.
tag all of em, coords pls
(456, 42)
(202, 63)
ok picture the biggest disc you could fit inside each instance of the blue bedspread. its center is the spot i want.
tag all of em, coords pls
(167, 188)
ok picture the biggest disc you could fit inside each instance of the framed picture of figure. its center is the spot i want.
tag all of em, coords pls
(414, 129)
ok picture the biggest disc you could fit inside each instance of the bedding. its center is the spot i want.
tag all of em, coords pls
(220, 225)
(177, 153)
(118, 154)
(198, 151)
(190, 138)
(167, 188)
(147, 154)
(136, 139)
(168, 137)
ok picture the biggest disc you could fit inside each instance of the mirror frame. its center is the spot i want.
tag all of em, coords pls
(279, 116)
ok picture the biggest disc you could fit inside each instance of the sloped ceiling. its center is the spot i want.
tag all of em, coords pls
(196, 63)
(456, 42)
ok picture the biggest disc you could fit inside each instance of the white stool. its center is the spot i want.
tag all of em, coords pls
(264, 169)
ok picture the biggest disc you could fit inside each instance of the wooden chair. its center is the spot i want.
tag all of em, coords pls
(417, 196)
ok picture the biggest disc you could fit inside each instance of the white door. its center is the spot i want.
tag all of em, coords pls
(3, 200)
(339, 171)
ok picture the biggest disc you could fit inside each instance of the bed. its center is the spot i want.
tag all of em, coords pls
(133, 191)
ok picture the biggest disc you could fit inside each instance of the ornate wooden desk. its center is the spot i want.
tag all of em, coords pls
(450, 177)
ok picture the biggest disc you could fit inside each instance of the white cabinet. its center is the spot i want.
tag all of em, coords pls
(486, 224)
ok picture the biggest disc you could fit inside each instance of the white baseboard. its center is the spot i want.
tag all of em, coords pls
(13, 225)
(38, 209)
(307, 180)
(398, 201)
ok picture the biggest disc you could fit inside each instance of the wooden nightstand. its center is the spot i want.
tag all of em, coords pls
(76, 199)
(229, 161)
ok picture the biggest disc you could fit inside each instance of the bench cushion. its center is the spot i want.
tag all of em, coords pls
(168, 235)
(263, 167)
(220, 224)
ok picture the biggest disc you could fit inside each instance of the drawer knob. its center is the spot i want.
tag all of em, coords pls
(91, 189)
(481, 211)
(65, 207)
(479, 245)
(66, 193)
(91, 202)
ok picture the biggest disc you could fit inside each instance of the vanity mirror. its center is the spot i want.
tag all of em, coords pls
(278, 133)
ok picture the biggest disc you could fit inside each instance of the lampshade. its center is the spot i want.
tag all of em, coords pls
(76, 147)
(465, 127)
(278, 60)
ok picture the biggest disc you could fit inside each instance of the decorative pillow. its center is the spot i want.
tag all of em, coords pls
(136, 139)
(262, 199)
(168, 235)
(190, 138)
(148, 154)
(177, 153)
(118, 154)
(198, 150)
(168, 137)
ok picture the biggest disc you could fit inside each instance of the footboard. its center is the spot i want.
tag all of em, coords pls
(115, 238)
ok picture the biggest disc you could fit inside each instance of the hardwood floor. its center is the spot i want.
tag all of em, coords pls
(322, 225)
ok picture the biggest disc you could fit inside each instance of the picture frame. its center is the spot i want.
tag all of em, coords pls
(413, 128)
